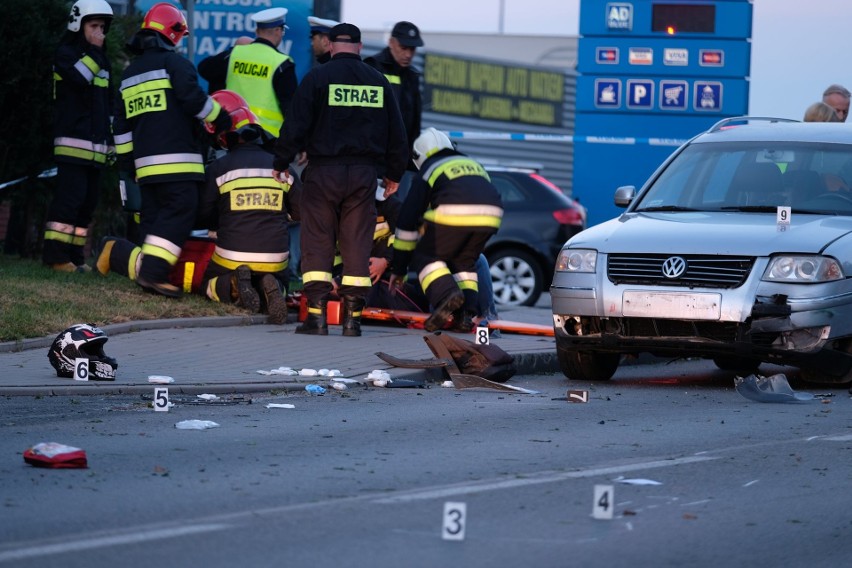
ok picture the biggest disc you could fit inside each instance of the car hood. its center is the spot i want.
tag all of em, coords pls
(726, 233)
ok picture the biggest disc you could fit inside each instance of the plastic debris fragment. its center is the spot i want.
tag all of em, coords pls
(315, 389)
(160, 379)
(207, 396)
(339, 386)
(448, 384)
(769, 389)
(280, 405)
(330, 373)
(195, 425)
(638, 481)
(308, 372)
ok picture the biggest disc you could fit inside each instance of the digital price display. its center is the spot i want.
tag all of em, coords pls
(677, 18)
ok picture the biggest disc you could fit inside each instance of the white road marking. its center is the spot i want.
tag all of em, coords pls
(104, 541)
(536, 479)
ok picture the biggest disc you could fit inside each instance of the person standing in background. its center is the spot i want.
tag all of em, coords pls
(320, 43)
(820, 112)
(395, 63)
(82, 95)
(262, 75)
(837, 97)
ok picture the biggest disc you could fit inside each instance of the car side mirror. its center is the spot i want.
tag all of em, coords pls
(624, 195)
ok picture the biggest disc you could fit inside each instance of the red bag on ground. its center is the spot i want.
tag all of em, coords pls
(54, 455)
(190, 267)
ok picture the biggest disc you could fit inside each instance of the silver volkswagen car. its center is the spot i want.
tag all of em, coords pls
(737, 249)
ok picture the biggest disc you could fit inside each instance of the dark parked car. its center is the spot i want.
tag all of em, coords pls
(537, 220)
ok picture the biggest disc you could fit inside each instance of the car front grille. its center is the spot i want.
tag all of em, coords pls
(706, 271)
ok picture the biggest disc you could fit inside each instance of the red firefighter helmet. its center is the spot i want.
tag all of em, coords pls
(241, 117)
(166, 20)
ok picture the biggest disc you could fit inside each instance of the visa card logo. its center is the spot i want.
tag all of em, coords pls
(675, 56)
(711, 57)
(607, 55)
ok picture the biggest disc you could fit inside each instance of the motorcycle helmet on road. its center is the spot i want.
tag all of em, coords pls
(82, 341)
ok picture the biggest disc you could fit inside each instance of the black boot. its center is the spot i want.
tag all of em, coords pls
(243, 293)
(463, 321)
(315, 323)
(273, 300)
(444, 311)
(352, 307)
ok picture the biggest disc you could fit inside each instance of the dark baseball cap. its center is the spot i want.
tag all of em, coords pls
(407, 34)
(340, 30)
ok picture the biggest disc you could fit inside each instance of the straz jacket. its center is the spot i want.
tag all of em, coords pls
(157, 117)
(344, 112)
(81, 89)
(451, 190)
(248, 209)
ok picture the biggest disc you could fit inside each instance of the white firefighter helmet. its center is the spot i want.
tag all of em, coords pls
(83, 9)
(430, 142)
(82, 341)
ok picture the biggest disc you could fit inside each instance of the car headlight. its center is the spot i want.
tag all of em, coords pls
(803, 269)
(576, 260)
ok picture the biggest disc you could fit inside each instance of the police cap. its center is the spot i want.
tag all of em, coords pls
(407, 34)
(270, 18)
(320, 25)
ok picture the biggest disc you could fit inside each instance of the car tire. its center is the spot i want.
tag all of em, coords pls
(516, 277)
(587, 365)
(738, 364)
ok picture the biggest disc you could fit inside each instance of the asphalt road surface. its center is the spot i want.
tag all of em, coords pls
(693, 474)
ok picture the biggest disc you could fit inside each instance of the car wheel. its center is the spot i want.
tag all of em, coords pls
(516, 277)
(818, 376)
(738, 364)
(587, 365)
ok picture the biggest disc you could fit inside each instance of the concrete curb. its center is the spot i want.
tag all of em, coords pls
(141, 325)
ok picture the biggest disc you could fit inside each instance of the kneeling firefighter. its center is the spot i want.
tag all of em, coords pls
(450, 212)
(248, 209)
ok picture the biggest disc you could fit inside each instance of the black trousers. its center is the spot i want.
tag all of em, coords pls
(338, 211)
(167, 218)
(445, 260)
(73, 204)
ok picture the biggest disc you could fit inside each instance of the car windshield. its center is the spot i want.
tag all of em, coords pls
(754, 177)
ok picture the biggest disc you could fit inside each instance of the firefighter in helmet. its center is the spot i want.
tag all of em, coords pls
(459, 210)
(81, 89)
(156, 120)
(248, 209)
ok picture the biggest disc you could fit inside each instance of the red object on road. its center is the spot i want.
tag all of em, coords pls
(55, 455)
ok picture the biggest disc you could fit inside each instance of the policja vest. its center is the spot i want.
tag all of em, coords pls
(250, 71)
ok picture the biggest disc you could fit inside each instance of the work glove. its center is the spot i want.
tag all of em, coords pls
(222, 123)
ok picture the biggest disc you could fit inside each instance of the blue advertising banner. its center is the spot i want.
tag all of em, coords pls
(216, 25)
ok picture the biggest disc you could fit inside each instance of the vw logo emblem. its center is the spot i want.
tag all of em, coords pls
(674, 267)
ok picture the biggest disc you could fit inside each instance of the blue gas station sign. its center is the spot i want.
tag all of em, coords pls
(652, 74)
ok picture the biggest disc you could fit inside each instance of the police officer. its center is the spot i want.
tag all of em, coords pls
(320, 44)
(261, 74)
(345, 118)
(459, 209)
(248, 209)
(155, 127)
(395, 63)
(81, 133)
